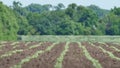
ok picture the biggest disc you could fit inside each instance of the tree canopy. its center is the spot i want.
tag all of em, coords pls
(37, 19)
(8, 23)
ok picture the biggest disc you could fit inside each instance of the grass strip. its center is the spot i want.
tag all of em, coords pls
(118, 44)
(35, 55)
(89, 57)
(31, 47)
(60, 59)
(3, 42)
(15, 46)
(116, 49)
(2, 46)
(10, 53)
(27, 43)
(14, 43)
(107, 52)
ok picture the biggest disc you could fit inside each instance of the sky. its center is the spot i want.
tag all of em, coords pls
(105, 4)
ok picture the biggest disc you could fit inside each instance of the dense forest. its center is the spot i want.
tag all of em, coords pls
(37, 19)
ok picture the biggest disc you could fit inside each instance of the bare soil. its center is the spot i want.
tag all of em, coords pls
(103, 58)
(75, 58)
(46, 60)
(115, 45)
(20, 45)
(107, 47)
(15, 58)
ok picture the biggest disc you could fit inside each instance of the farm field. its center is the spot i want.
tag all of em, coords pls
(59, 55)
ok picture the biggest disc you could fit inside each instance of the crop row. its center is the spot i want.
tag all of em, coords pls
(60, 59)
(27, 59)
(10, 53)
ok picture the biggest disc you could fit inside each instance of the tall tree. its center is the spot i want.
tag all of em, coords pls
(8, 23)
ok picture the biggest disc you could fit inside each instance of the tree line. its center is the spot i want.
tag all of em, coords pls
(37, 19)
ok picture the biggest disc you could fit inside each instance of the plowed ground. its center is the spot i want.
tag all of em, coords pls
(74, 57)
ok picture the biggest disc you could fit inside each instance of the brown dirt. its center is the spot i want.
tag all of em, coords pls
(23, 45)
(75, 58)
(6, 48)
(115, 45)
(15, 58)
(7, 43)
(20, 45)
(103, 58)
(46, 60)
(107, 47)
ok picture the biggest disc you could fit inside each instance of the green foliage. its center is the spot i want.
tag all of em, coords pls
(100, 12)
(72, 38)
(8, 23)
(37, 19)
(37, 8)
(20, 13)
(116, 11)
(113, 22)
